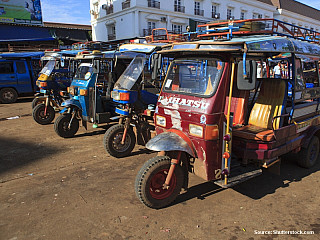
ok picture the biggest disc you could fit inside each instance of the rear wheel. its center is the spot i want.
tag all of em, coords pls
(112, 141)
(8, 95)
(150, 179)
(36, 102)
(63, 128)
(307, 157)
(43, 116)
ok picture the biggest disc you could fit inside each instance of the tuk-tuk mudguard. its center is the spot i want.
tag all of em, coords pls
(71, 103)
(172, 140)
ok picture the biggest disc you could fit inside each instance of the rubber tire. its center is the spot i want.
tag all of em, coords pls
(145, 175)
(117, 131)
(11, 99)
(61, 121)
(38, 114)
(36, 101)
(307, 157)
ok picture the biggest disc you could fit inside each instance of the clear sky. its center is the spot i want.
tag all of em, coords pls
(66, 11)
(77, 11)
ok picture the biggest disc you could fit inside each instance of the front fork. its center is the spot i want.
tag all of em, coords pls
(46, 105)
(70, 111)
(126, 126)
(175, 160)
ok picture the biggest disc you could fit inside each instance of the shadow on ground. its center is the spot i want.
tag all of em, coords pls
(258, 187)
(15, 153)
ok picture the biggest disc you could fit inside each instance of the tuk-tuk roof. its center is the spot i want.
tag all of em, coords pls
(123, 55)
(138, 47)
(59, 54)
(22, 55)
(260, 43)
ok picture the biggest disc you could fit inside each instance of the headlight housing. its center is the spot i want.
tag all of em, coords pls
(196, 130)
(161, 121)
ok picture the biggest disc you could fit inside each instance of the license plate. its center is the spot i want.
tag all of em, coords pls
(43, 91)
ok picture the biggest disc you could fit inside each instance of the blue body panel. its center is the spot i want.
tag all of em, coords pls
(132, 99)
(20, 75)
(71, 102)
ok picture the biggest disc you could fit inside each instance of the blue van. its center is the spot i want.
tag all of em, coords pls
(18, 74)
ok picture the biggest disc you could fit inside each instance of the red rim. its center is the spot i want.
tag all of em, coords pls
(156, 185)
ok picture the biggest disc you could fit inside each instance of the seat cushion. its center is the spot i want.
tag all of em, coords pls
(269, 104)
(251, 132)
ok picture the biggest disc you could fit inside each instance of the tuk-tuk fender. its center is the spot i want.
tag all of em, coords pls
(71, 103)
(315, 131)
(172, 140)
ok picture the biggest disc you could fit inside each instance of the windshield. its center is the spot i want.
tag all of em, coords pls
(84, 71)
(131, 74)
(47, 69)
(194, 76)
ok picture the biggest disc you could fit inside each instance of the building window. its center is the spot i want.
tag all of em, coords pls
(242, 15)
(229, 14)
(259, 15)
(111, 32)
(151, 25)
(215, 12)
(197, 5)
(178, 6)
(177, 28)
(254, 16)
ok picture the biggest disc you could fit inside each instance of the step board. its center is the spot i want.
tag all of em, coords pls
(239, 175)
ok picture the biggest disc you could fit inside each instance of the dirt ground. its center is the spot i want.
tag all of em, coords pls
(55, 188)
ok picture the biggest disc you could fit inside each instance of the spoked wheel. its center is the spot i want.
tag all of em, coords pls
(37, 101)
(63, 128)
(112, 141)
(150, 179)
(307, 157)
(43, 116)
(8, 95)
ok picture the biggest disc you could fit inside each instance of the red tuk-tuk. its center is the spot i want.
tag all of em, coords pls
(220, 118)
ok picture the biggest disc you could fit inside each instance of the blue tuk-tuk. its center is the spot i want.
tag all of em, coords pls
(54, 78)
(90, 91)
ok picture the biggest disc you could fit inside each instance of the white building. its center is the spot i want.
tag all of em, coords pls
(127, 19)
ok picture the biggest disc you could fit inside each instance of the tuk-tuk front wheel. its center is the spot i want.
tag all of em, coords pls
(112, 141)
(37, 101)
(43, 116)
(8, 95)
(150, 179)
(63, 128)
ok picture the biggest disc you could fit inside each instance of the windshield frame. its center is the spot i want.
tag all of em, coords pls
(129, 76)
(195, 59)
(90, 65)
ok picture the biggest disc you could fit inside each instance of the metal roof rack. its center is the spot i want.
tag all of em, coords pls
(268, 26)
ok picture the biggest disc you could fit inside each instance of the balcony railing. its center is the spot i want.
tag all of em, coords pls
(154, 4)
(147, 32)
(111, 36)
(198, 12)
(179, 8)
(109, 9)
(216, 15)
(125, 4)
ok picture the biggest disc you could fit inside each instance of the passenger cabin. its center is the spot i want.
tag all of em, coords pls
(276, 114)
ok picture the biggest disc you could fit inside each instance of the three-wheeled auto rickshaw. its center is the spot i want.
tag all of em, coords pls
(91, 91)
(136, 95)
(53, 80)
(216, 119)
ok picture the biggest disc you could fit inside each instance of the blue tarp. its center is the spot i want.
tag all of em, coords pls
(22, 55)
(12, 33)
